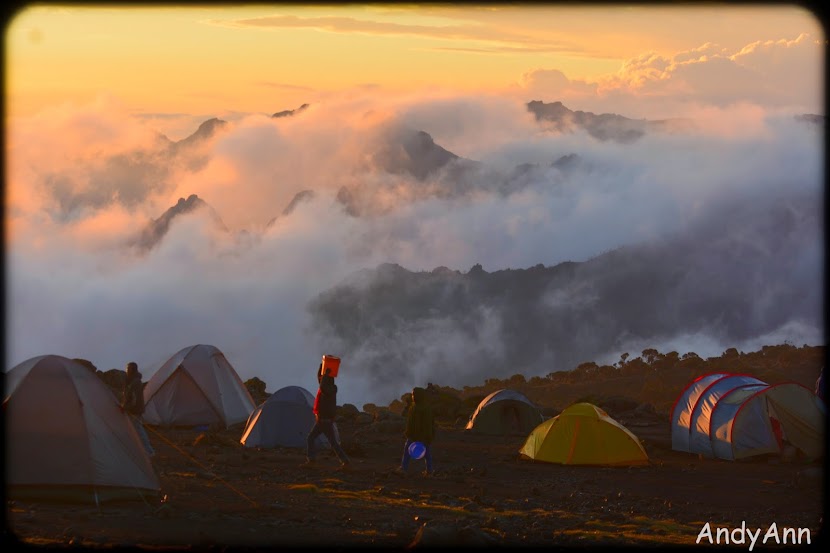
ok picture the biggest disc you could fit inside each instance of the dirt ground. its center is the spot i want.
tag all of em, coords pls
(219, 495)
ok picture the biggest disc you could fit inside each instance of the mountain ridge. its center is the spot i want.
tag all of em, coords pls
(706, 283)
(604, 126)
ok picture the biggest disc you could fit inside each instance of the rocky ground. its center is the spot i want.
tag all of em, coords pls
(217, 494)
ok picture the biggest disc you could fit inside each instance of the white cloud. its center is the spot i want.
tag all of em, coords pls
(786, 74)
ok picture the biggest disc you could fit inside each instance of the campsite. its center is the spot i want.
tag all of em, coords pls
(562, 268)
(218, 493)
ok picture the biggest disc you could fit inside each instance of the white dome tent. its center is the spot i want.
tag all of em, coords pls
(197, 386)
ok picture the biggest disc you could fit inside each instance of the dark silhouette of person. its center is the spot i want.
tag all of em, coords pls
(420, 427)
(132, 402)
(325, 410)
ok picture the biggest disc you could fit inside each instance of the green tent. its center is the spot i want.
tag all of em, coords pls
(505, 412)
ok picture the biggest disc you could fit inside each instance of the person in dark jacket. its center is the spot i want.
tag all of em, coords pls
(132, 402)
(325, 409)
(420, 427)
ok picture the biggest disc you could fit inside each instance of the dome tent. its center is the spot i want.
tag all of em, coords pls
(283, 420)
(505, 412)
(67, 438)
(196, 386)
(734, 416)
(584, 434)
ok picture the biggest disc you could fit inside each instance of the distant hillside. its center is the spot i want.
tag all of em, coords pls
(658, 378)
(709, 283)
(649, 382)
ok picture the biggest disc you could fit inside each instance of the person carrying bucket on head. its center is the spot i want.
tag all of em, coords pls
(325, 409)
(420, 431)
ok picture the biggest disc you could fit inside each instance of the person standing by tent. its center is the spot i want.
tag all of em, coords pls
(325, 409)
(132, 403)
(420, 427)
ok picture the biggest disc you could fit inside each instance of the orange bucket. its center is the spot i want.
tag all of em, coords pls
(331, 364)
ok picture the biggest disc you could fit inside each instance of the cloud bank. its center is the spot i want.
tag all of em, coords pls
(84, 180)
(657, 86)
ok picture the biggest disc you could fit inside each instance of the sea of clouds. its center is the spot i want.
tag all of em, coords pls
(82, 180)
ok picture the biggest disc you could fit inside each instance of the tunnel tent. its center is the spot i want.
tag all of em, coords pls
(195, 387)
(584, 434)
(505, 412)
(283, 420)
(728, 416)
(694, 409)
(67, 438)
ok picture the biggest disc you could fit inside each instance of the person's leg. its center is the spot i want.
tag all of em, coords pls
(328, 431)
(428, 457)
(405, 458)
(312, 436)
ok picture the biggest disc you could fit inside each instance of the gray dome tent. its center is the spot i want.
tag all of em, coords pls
(67, 438)
(283, 420)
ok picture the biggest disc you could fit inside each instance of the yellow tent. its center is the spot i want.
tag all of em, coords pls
(584, 434)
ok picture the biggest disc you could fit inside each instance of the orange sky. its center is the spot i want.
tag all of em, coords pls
(214, 59)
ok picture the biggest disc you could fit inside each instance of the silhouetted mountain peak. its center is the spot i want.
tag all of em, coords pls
(205, 131)
(606, 126)
(551, 112)
(411, 151)
(289, 112)
(157, 228)
(406, 152)
(209, 127)
(300, 197)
